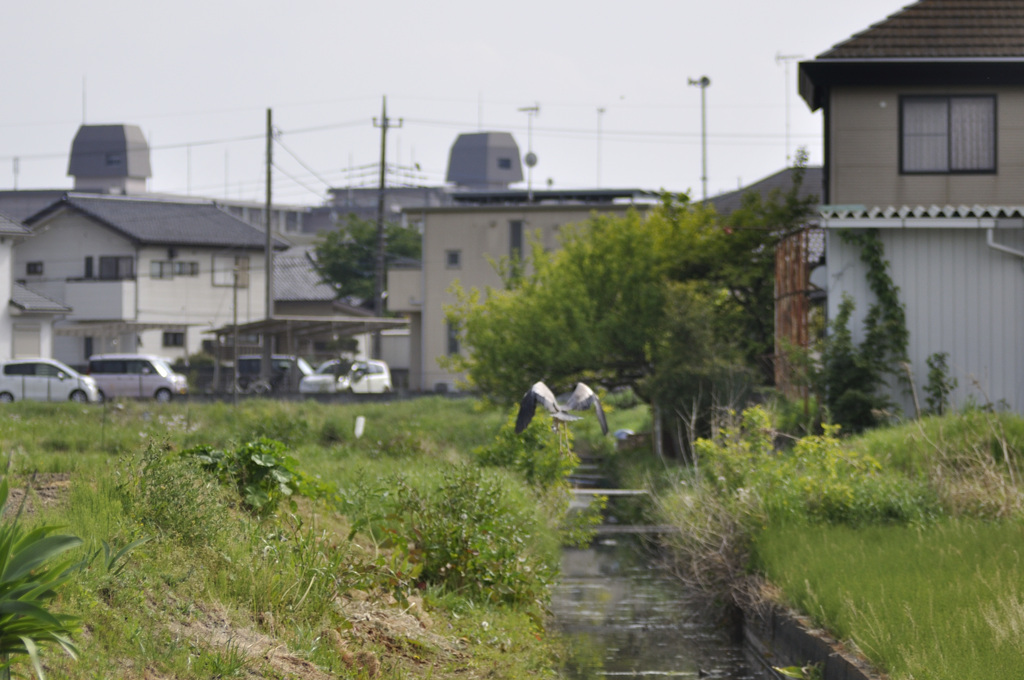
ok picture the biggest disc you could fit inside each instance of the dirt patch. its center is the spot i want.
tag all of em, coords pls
(44, 490)
(211, 628)
(374, 622)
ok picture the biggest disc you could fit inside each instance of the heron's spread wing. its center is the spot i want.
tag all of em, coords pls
(541, 394)
(583, 398)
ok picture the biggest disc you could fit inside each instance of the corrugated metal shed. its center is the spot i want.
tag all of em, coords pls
(960, 276)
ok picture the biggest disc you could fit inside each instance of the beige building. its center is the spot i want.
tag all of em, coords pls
(924, 142)
(460, 243)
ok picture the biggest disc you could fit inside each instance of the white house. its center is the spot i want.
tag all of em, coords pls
(26, 320)
(141, 274)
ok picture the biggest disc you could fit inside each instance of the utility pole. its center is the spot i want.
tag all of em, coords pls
(378, 288)
(268, 258)
(703, 85)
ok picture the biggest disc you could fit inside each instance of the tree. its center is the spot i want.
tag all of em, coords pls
(677, 304)
(594, 310)
(346, 258)
(744, 262)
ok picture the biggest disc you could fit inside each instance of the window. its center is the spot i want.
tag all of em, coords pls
(948, 134)
(34, 268)
(453, 259)
(225, 266)
(117, 267)
(174, 339)
(453, 338)
(515, 238)
(161, 269)
(20, 369)
(504, 163)
(88, 267)
(186, 269)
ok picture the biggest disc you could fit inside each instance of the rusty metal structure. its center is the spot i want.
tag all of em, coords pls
(795, 256)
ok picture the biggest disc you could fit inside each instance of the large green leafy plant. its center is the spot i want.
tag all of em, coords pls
(262, 472)
(30, 577)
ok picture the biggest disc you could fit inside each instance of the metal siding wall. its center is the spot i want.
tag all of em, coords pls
(961, 297)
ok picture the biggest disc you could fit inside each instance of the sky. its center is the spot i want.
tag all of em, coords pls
(611, 83)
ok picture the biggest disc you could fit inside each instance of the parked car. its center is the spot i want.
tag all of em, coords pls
(136, 375)
(286, 373)
(359, 377)
(330, 377)
(44, 380)
(369, 377)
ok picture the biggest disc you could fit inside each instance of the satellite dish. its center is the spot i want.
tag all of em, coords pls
(531, 159)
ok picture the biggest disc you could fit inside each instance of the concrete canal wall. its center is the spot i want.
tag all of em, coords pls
(780, 638)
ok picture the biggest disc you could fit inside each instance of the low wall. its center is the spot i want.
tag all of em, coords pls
(780, 638)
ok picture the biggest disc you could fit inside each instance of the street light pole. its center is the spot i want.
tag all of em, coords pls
(600, 114)
(703, 85)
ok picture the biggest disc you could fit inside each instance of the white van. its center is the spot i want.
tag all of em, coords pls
(140, 376)
(44, 380)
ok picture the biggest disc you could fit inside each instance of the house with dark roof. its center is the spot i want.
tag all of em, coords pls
(141, 274)
(26, 316)
(924, 142)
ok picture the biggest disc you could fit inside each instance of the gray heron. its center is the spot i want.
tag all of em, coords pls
(582, 399)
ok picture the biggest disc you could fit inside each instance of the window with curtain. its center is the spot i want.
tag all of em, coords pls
(955, 134)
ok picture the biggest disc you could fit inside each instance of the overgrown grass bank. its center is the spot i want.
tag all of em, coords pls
(280, 546)
(904, 540)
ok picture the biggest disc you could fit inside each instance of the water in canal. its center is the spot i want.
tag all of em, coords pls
(626, 618)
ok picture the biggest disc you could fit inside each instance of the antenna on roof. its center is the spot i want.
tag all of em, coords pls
(785, 60)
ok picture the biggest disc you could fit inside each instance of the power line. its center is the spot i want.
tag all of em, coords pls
(302, 163)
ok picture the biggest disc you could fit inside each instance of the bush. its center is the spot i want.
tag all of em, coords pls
(470, 534)
(262, 472)
(536, 453)
(164, 493)
(817, 480)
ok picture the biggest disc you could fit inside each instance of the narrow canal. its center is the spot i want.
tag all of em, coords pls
(626, 618)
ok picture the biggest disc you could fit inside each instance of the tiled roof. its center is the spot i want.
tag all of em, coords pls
(941, 29)
(9, 227)
(813, 184)
(296, 279)
(28, 300)
(171, 223)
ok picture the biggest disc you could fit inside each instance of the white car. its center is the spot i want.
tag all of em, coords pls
(360, 377)
(369, 377)
(44, 380)
(330, 377)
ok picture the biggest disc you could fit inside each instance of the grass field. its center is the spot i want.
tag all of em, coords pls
(939, 601)
(311, 554)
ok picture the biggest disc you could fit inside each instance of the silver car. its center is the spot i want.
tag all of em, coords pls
(141, 376)
(44, 380)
